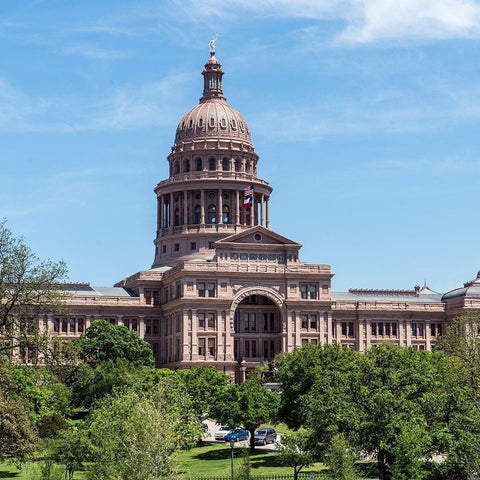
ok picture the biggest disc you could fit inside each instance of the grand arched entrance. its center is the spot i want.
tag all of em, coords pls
(258, 327)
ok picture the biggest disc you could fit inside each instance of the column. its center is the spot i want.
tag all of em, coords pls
(202, 204)
(329, 329)
(162, 212)
(220, 207)
(141, 326)
(194, 351)
(262, 200)
(428, 335)
(185, 208)
(360, 339)
(185, 334)
(267, 212)
(159, 215)
(252, 211)
(369, 333)
(171, 213)
(237, 207)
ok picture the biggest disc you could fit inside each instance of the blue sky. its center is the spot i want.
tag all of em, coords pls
(365, 114)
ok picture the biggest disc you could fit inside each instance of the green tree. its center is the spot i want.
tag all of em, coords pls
(341, 459)
(17, 438)
(103, 341)
(202, 384)
(28, 287)
(295, 450)
(135, 437)
(248, 404)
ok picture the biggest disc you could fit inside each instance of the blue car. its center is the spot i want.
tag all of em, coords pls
(237, 435)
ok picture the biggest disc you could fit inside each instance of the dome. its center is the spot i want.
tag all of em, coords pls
(213, 118)
(470, 289)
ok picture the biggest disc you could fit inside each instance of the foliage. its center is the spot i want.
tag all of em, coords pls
(242, 469)
(248, 404)
(341, 460)
(103, 341)
(17, 438)
(28, 287)
(202, 384)
(295, 450)
(135, 437)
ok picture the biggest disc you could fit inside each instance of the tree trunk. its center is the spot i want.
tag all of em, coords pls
(252, 440)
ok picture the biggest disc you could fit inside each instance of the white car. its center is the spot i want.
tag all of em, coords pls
(220, 435)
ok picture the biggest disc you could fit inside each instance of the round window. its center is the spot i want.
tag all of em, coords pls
(258, 237)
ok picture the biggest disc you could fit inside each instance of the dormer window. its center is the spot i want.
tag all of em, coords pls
(234, 123)
(212, 122)
(200, 122)
(242, 127)
(190, 125)
(224, 123)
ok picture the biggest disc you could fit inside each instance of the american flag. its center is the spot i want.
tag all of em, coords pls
(248, 192)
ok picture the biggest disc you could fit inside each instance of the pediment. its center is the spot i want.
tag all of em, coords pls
(257, 236)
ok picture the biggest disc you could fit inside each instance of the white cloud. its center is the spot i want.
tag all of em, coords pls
(367, 21)
(94, 52)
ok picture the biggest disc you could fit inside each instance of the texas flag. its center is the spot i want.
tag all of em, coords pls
(248, 197)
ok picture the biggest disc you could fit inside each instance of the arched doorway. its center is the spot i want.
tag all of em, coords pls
(258, 331)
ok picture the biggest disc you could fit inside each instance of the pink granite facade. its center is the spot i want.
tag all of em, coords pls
(224, 289)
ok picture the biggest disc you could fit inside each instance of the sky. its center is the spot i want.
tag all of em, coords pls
(365, 115)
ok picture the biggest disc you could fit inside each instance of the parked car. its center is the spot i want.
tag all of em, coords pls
(264, 436)
(237, 435)
(220, 435)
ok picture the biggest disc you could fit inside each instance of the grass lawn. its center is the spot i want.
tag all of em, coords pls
(213, 458)
(11, 472)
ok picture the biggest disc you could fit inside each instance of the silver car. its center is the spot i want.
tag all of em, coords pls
(264, 436)
(224, 429)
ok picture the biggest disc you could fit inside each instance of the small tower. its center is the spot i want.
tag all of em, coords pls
(212, 79)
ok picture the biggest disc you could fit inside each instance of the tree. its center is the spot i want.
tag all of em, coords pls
(28, 287)
(295, 450)
(103, 341)
(341, 460)
(17, 438)
(135, 437)
(248, 404)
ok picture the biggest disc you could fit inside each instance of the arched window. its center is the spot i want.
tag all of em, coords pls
(211, 163)
(212, 122)
(225, 164)
(226, 214)
(198, 214)
(224, 123)
(237, 165)
(200, 122)
(177, 217)
(177, 168)
(234, 123)
(212, 214)
(247, 167)
(187, 165)
(199, 165)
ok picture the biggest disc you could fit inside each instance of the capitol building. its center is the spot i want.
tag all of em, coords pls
(226, 290)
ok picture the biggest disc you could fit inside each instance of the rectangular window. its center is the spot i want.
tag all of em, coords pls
(134, 324)
(211, 321)
(211, 347)
(304, 342)
(253, 322)
(272, 322)
(350, 330)
(201, 289)
(155, 327)
(176, 247)
(414, 329)
(56, 325)
(387, 329)
(80, 325)
(247, 322)
(201, 320)
(254, 348)
(304, 319)
(193, 245)
(344, 329)
(201, 347)
(303, 291)
(324, 289)
(164, 249)
(312, 292)
(155, 297)
(380, 329)
(247, 348)
(64, 325)
(313, 322)
(148, 327)
(148, 297)
(374, 329)
(178, 288)
(126, 322)
(394, 329)
(420, 329)
(211, 289)
(265, 322)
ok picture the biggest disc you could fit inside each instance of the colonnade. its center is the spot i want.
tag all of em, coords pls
(211, 207)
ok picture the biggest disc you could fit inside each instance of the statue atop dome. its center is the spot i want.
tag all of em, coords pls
(211, 44)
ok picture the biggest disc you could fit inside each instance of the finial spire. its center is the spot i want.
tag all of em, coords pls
(211, 44)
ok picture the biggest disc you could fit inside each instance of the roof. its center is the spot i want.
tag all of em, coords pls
(88, 291)
(409, 296)
(470, 289)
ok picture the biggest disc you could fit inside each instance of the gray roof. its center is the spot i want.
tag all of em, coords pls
(425, 296)
(88, 291)
(470, 290)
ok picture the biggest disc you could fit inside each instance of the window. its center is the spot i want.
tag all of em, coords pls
(198, 214)
(80, 325)
(193, 245)
(201, 289)
(212, 122)
(212, 217)
(200, 122)
(211, 163)
(380, 329)
(211, 321)
(211, 289)
(237, 166)
(226, 214)
(394, 329)
(304, 320)
(155, 327)
(210, 246)
(435, 329)
(224, 123)
(148, 327)
(156, 299)
(234, 123)
(374, 329)
(225, 164)
(324, 288)
(201, 347)
(201, 320)
(56, 325)
(417, 329)
(313, 322)
(64, 325)
(164, 249)
(176, 247)
(187, 165)
(308, 291)
(211, 347)
(199, 165)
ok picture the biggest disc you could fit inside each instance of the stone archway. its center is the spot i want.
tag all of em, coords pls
(258, 327)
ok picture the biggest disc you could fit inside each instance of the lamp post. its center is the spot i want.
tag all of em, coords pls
(232, 444)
